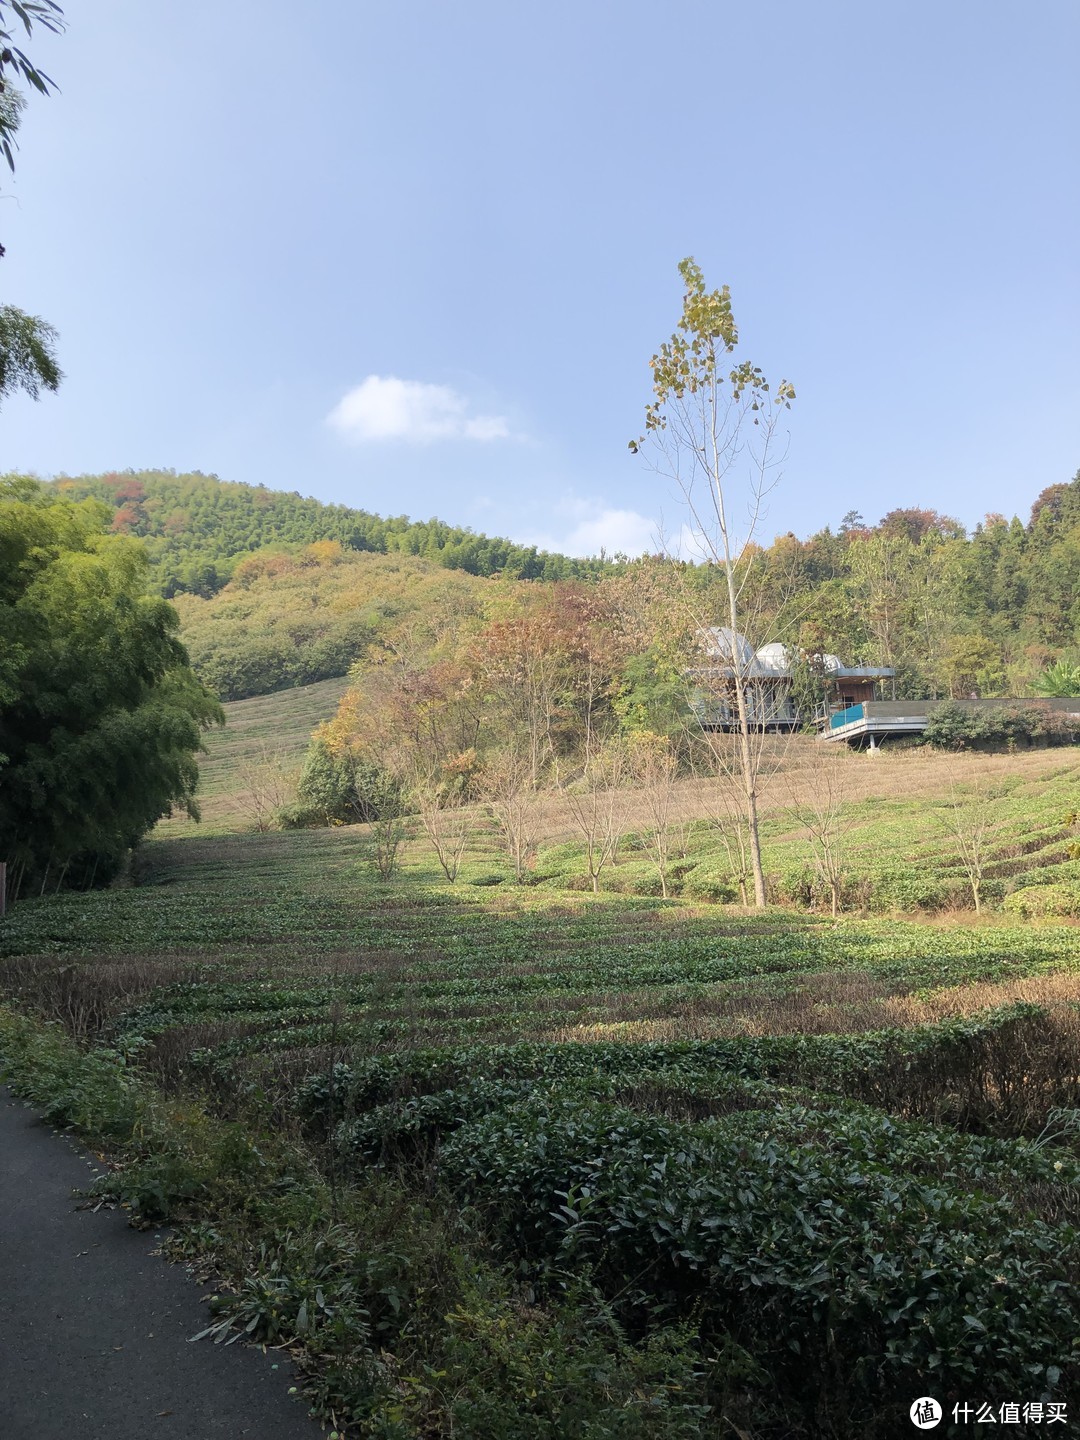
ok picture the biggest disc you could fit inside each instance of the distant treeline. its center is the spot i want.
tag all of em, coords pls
(275, 589)
(956, 614)
(197, 528)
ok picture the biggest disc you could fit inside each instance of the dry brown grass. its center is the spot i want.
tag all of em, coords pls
(85, 997)
(828, 1004)
(284, 722)
(1051, 991)
(887, 775)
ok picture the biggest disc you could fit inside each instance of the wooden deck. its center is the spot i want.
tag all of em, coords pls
(875, 720)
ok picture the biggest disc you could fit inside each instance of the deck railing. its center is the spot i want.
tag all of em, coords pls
(846, 717)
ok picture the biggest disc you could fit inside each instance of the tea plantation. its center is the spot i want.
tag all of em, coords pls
(521, 1161)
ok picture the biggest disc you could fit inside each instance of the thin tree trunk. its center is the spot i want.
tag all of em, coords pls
(746, 759)
(750, 788)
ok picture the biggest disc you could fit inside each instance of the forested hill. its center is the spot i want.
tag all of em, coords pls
(312, 586)
(294, 619)
(197, 528)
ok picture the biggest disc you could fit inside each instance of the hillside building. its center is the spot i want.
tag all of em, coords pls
(769, 678)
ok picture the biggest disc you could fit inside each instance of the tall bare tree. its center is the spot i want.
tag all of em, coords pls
(712, 428)
(447, 824)
(716, 762)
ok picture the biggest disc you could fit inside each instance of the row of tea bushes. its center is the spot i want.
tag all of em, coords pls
(850, 1284)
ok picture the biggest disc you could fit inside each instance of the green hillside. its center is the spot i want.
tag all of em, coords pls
(296, 619)
(955, 613)
(197, 528)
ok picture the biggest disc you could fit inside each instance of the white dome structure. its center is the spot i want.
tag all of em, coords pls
(729, 646)
(774, 657)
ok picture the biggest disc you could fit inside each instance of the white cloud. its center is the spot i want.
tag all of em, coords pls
(598, 526)
(382, 407)
(694, 545)
(616, 531)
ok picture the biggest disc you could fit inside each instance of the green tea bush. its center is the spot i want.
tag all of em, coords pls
(633, 877)
(405, 1129)
(954, 726)
(709, 884)
(1033, 1174)
(850, 1285)
(381, 1292)
(1038, 901)
(1003, 1069)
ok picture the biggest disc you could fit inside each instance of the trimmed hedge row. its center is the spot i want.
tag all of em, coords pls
(1004, 1068)
(850, 1285)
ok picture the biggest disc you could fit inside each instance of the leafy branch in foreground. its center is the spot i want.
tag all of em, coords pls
(27, 354)
(30, 12)
(27, 357)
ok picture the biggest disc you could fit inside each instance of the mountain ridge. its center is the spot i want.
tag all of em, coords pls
(198, 528)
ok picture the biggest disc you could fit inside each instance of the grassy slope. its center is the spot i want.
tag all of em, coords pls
(304, 619)
(895, 821)
(899, 832)
(273, 728)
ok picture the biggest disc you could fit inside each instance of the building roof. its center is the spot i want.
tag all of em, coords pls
(775, 660)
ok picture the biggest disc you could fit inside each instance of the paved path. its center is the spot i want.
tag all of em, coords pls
(94, 1328)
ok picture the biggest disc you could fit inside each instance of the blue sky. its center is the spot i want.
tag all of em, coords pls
(415, 257)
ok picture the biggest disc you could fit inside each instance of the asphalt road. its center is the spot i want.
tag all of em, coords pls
(94, 1328)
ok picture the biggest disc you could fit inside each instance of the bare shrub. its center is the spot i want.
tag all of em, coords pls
(85, 998)
(447, 824)
(597, 807)
(968, 815)
(507, 788)
(817, 800)
(717, 762)
(387, 834)
(267, 784)
(654, 764)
